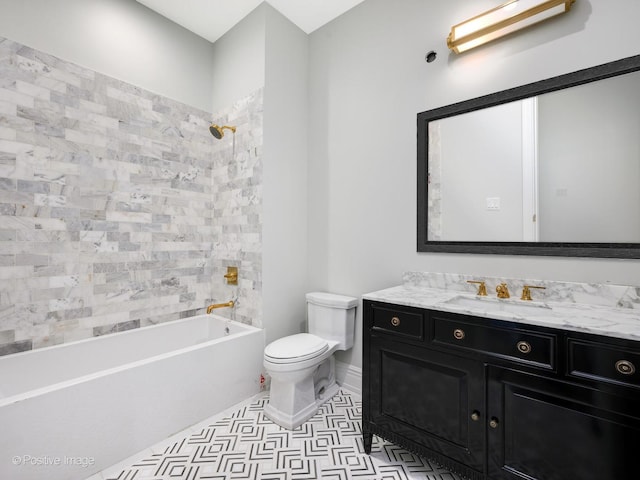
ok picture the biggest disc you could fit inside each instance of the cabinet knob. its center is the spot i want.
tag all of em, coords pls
(625, 367)
(395, 321)
(458, 334)
(523, 347)
(475, 416)
(493, 423)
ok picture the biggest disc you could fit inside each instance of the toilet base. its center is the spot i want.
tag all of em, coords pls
(296, 395)
(293, 420)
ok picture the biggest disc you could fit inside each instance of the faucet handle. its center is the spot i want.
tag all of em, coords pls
(526, 291)
(232, 275)
(482, 288)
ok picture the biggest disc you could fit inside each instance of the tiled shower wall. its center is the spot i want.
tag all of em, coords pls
(118, 209)
(237, 209)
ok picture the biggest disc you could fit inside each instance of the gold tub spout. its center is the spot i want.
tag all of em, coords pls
(229, 304)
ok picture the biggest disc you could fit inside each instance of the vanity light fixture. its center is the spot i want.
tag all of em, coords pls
(500, 21)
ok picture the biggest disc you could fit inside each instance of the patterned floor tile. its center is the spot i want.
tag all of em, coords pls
(247, 445)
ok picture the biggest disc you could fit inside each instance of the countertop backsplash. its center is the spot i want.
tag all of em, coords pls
(604, 295)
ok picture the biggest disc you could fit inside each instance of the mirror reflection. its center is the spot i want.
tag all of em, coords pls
(559, 167)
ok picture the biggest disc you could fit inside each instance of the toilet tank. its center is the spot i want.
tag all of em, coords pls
(332, 317)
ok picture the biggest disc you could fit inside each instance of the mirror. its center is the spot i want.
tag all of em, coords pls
(549, 168)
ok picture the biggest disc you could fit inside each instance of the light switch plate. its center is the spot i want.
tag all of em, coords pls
(493, 203)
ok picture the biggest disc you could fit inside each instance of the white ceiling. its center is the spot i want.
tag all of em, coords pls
(213, 18)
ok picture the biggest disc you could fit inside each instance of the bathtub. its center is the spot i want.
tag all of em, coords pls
(71, 410)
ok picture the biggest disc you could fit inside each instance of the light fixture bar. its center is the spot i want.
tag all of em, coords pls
(500, 21)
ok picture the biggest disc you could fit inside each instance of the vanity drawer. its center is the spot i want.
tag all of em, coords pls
(520, 345)
(403, 323)
(604, 362)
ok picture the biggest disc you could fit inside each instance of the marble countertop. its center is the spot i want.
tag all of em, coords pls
(588, 318)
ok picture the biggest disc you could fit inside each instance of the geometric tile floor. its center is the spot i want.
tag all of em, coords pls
(247, 445)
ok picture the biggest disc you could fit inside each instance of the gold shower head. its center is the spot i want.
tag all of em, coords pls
(218, 132)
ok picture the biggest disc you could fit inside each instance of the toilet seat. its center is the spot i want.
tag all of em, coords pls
(295, 348)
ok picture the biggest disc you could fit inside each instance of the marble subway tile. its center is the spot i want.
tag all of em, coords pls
(49, 340)
(119, 209)
(29, 259)
(7, 336)
(16, 347)
(130, 325)
(89, 323)
(15, 272)
(48, 270)
(49, 200)
(105, 330)
(7, 133)
(17, 98)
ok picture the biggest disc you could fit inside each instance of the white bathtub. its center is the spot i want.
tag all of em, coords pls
(69, 411)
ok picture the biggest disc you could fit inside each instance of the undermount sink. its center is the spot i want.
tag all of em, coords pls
(487, 305)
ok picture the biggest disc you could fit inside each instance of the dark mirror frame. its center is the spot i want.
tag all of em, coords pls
(602, 250)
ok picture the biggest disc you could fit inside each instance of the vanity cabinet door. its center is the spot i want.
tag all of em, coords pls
(544, 429)
(432, 399)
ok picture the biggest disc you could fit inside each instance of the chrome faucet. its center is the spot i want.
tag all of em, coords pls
(502, 290)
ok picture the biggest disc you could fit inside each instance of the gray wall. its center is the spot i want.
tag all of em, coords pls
(239, 60)
(284, 240)
(120, 38)
(368, 79)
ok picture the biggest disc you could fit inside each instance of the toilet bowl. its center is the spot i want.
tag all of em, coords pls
(302, 366)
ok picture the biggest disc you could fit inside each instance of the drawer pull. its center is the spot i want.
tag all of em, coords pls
(493, 423)
(523, 347)
(475, 416)
(458, 334)
(625, 367)
(395, 321)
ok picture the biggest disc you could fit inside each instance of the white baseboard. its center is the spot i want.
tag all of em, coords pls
(349, 377)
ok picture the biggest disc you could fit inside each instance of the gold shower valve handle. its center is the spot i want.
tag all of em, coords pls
(232, 275)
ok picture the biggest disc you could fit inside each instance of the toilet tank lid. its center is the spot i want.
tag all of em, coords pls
(331, 300)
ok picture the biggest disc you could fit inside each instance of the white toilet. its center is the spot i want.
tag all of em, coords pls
(302, 367)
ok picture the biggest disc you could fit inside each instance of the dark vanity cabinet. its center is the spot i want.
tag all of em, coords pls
(496, 400)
